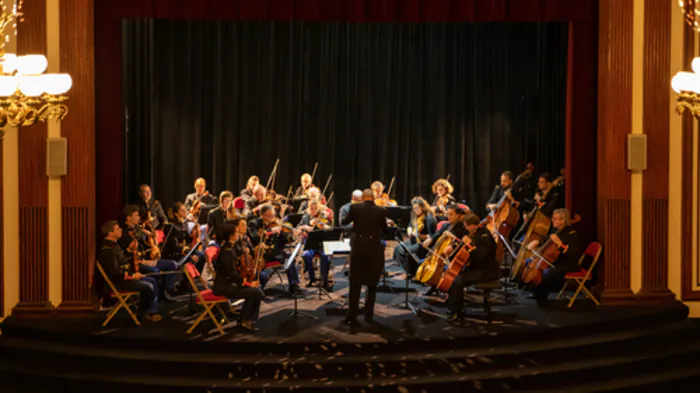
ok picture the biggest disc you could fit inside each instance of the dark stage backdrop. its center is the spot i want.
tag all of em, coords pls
(224, 100)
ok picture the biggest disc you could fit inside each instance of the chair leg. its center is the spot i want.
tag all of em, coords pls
(573, 298)
(208, 310)
(562, 289)
(590, 296)
(131, 313)
(279, 275)
(223, 314)
(112, 313)
(197, 321)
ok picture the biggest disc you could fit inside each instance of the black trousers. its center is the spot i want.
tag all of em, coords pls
(147, 288)
(455, 302)
(253, 297)
(405, 260)
(552, 281)
(354, 300)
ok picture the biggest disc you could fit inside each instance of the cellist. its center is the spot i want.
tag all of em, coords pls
(229, 282)
(553, 199)
(482, 265)
(455, 225)
(566, 239)
(500, 189)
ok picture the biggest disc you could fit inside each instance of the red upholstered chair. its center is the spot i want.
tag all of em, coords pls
(582, 276)
(464, 207)
(441, 224)
(206, 298)
(329, 215)
(122, 298)
(238, 204)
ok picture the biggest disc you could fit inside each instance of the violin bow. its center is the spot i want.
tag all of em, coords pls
(313, 173)
(328, 202)
(391, 185)
(272, 174)
(325, 188)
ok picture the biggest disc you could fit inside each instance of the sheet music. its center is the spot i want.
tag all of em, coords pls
(337, 247)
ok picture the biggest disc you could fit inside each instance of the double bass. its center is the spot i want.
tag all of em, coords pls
(544, 258)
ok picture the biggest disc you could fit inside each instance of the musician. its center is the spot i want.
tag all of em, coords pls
(132, 231)
(500, 190)
(381, 198)
(147, 204)
(218, 215)
(553, 200)
(247, 192)
(121, 273)
(442, 189)
(200, 195)
(275, 241)
(315, 219)
(345, 209)
(482, 265)
(367, 254)
(455, 215)
(302, 190)
(229, 282)
(178, 237)
(567, 241)
(314, 193)
(423, 225)
(253, 205)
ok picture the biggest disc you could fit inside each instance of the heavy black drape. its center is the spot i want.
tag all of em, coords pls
(224, 100)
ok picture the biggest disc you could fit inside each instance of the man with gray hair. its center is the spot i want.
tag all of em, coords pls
(345, 209)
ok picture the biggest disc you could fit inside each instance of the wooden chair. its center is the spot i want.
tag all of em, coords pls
(582, 276)
(122, 298)
(206, 298)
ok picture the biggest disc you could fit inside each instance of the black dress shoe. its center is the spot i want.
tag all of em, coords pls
(369, 319)
(248, 325)
(350, 321)
(452, 317)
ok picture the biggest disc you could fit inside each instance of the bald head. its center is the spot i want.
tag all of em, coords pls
(356, 196)
(367, 195)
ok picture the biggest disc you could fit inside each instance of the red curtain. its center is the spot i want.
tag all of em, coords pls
(581, 110)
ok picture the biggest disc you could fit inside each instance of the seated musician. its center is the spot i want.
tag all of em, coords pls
(229, 282)
(147, 204)
(500, 190)
(303, 189)
(253, 205)
(247, 192)
(151, 261)
(423, 225)
(567, 241)
(313, 194)
(200, 195)
(121, 273)
(553, 200)
(315, 219)
(442, 189)
(380, 197)
(345, 209)
(215, 223)
(178, 238)
(269, 227)
(455, 225)
(482, 265)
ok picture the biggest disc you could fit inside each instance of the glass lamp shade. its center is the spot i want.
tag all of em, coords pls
(8, 85)
(686, 81)
(9, 63)
(31, 64)
(695, 65)
(31, 86)
(56, 84)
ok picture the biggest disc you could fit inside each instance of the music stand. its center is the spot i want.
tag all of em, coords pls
(293, 218)
(315, 242)
(401, 215)
(407, 303)
(389, 235)
(287, 264)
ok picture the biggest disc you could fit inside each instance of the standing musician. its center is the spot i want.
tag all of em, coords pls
(367, 254)
(315, 219)
(229, 281)
(423, 225)
(198, 199)
(275, 239)
(151, 211)
(302, 190)
(567, 241)
(553, 200)
(247, 192)
(442, 189)
(179, 239)
(345, 209)
(482, 265)
(120, 272)
(500, 190)
(253, 205)
(380, 197)
(135, 237)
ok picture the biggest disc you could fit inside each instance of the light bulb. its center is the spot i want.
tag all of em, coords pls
(57, 83)
(682, 81)
(31, 64)
(8, 85)
(9, 63)
(32, 85)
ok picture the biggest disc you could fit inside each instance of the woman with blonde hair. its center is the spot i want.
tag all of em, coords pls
(442, 189)
(423, 225)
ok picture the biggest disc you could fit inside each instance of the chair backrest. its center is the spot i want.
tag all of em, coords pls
(329, 215)
(441, 224)
(464, 207)
(106, 278)
(191, 273)
(238, 203)
(593, 250)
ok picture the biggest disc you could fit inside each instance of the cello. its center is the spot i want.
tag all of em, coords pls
(544, 258)
(431, 270)
(460, 260)
(537, 225)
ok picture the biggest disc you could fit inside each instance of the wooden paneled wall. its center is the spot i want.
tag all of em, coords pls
(2, 233)
(657, 52)
(614, 123)
(78, 186)
(33, 185)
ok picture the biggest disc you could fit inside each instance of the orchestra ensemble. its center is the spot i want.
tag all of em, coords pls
(240, 241)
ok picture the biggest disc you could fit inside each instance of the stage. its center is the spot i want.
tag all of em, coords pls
(518, 345)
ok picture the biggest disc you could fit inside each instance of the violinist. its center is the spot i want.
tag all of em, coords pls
(380, 197)
(314, 194)
(179, 239)
(500, 190)
(229, 282)
(275, 236)
(315, 219)
(199, 200)
(345, 209)
(218, 216)
(303, 189)
(254, 204)
(442, 189)
(566, 240)
(481, 266)
(134, 236)
(151, 211)
(120, 272)
(247, 192)
(423, 225)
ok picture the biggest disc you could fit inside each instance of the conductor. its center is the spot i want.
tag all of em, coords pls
(366, 254)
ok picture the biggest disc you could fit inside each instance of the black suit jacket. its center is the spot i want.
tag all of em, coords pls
(343, 213)
(367, 253)
(482, 261)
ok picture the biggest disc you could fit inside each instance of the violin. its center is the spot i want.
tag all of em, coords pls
(384, 201)
(197, 205)
(134, 248)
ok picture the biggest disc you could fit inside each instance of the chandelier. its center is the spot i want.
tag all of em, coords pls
(691, 13)
(27, 94)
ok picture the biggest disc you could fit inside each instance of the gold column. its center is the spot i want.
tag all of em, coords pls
(636, 210)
